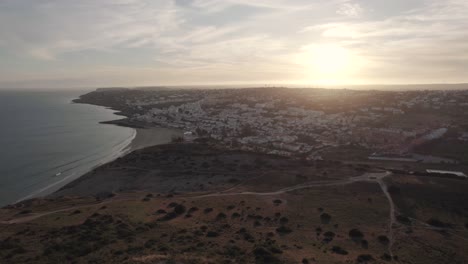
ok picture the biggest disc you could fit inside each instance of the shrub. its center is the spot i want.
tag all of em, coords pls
(208, 210)
(235, 215)
(386, 257)
(221, 216)
(283, 230)
(328, 237)
(325, 218)
(355, 234)
(150, 243)
(192, 210)
(172, 205)
(263, 256)
(338, 250)
(284, 220)
(212, 234)
(364, 258)
(437, 223)
(383, 240)
(277, 202)
(179, 209)
(364, 244)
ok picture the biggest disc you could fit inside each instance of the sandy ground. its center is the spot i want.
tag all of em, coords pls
(147, 137)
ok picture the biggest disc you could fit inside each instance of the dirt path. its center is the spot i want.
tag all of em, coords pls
(392, 221)
(366, 177)
(34, 216)
(369, 177)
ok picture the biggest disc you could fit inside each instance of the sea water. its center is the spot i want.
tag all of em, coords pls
(46, 141)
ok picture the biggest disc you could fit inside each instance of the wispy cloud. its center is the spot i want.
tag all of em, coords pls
(350, 10)
(399, 41)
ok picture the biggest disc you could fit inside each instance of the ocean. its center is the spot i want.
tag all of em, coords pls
(46, 141)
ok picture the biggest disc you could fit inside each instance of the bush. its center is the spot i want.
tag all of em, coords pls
(208, 210)
(383, 240)
(364, 244)
(437, 223)
(221, 216)
(172, 205)
(364, 258)
(212, 234)
(179, 209)
(263, 256)
(277, 202)
(338, 250)
(235, 215)
(192, 210)
(386, 257)
(150, 243)
(325, 218)
(283, 230)
(355, 234)
(328, 236)
(284, 220)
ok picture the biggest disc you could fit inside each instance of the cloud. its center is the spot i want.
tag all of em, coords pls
(234, 39)
(350, 10)
(421, 44)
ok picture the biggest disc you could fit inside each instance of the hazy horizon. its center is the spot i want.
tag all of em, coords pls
(87, 43)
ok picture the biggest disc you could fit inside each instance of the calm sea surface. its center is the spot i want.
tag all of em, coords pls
(46, 141)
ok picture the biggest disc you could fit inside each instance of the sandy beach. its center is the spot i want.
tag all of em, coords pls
(147, 137)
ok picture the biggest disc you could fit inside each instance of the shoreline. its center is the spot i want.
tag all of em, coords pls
(142, 137)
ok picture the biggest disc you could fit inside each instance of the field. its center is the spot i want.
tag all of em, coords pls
(256, 209)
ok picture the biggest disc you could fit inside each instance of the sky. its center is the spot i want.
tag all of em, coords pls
(95, 43)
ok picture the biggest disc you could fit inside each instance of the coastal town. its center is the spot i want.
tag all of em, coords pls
(262, 175)
(301, 122)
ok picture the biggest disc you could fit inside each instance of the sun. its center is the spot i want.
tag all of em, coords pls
(326, 63)
(330, 60)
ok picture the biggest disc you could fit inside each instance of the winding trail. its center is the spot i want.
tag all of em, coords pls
(367, 177)
(34, 216)
(392, 221)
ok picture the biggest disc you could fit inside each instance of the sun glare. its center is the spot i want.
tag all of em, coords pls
(330, 59)
(326, 63)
